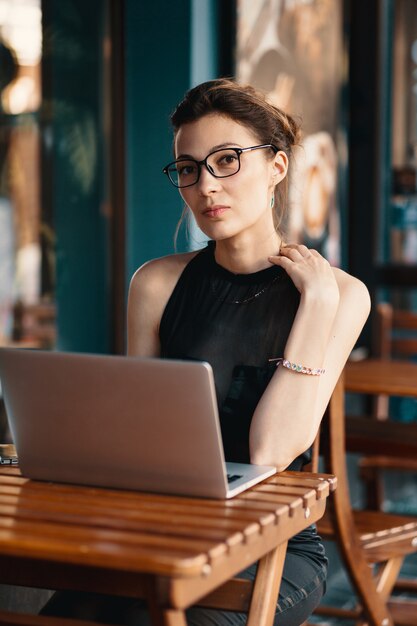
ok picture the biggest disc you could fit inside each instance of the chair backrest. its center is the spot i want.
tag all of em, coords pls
(395, 332)
(395, 336)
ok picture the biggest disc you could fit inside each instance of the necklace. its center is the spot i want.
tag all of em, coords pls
(243, 300)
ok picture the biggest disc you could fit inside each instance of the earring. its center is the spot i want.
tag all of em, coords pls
(272, 201)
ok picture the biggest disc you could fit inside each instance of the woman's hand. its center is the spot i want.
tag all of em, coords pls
(310, 272)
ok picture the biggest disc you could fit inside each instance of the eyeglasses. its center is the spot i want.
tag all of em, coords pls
(220, 163)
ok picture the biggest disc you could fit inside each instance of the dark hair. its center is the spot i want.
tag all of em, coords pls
(250, 107)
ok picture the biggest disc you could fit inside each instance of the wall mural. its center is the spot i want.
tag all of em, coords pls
(293, 50)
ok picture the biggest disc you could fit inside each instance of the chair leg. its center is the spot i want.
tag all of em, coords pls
(387, 576)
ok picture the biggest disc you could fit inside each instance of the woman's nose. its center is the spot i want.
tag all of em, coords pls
(207, 182)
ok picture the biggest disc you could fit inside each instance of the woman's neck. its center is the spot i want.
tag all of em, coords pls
(245, 255)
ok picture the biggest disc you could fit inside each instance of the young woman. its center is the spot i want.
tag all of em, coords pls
(274, 320)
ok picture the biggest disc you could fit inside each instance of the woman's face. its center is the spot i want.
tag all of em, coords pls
(226, 207)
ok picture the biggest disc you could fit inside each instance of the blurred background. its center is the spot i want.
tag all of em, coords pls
(86, 93)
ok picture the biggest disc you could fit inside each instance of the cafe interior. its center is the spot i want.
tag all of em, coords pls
(87, 89)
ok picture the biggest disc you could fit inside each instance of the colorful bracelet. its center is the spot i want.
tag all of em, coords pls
(300, 369)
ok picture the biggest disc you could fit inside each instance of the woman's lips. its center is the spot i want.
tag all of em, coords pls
(215, 211)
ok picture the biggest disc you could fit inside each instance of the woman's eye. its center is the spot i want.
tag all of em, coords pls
(186, 169)
(227, 159)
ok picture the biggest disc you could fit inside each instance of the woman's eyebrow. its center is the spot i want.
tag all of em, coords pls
(219, 146)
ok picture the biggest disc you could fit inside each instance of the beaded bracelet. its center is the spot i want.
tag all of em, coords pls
(300, 369)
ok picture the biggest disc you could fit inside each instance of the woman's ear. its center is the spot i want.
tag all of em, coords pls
(280, 166)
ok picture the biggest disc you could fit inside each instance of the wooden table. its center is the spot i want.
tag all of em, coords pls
(172, 551)
(377, 376)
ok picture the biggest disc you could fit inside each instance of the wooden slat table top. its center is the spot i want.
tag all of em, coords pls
(377, 376)
(148, 533)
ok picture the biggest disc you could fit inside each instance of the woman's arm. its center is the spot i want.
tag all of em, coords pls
(150, 289)
(333, 309)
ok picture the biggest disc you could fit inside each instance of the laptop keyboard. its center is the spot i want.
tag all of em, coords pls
(9, 460)
(232, 477)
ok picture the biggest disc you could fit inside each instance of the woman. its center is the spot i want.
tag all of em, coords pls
(249, 298)
(246, 302)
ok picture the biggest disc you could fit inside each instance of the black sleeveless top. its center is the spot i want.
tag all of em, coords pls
(236, 322)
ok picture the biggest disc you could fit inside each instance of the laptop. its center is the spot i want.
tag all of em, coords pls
(120, 422)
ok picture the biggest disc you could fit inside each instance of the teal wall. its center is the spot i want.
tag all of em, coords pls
(165, 55)
(168, 48)
(158, 73)
(204, 59)
(73, 170)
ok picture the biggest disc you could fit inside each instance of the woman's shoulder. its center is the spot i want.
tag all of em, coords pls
(162, 270)
(170, 264)
(352, 290)
(150, 289)
(158, 276)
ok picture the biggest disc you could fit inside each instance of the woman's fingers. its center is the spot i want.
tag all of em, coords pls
(300, 248)
(296, 252)
(308, 269)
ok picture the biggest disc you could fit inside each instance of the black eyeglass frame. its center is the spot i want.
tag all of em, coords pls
(238, 151)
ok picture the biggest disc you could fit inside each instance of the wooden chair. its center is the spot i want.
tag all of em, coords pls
(397, 332)
(395, 336)
(372, 544)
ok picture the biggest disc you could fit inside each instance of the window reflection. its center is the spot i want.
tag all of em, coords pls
(403, 207)
(21, 291)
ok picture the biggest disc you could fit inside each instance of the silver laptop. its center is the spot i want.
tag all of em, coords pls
(123, 422)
